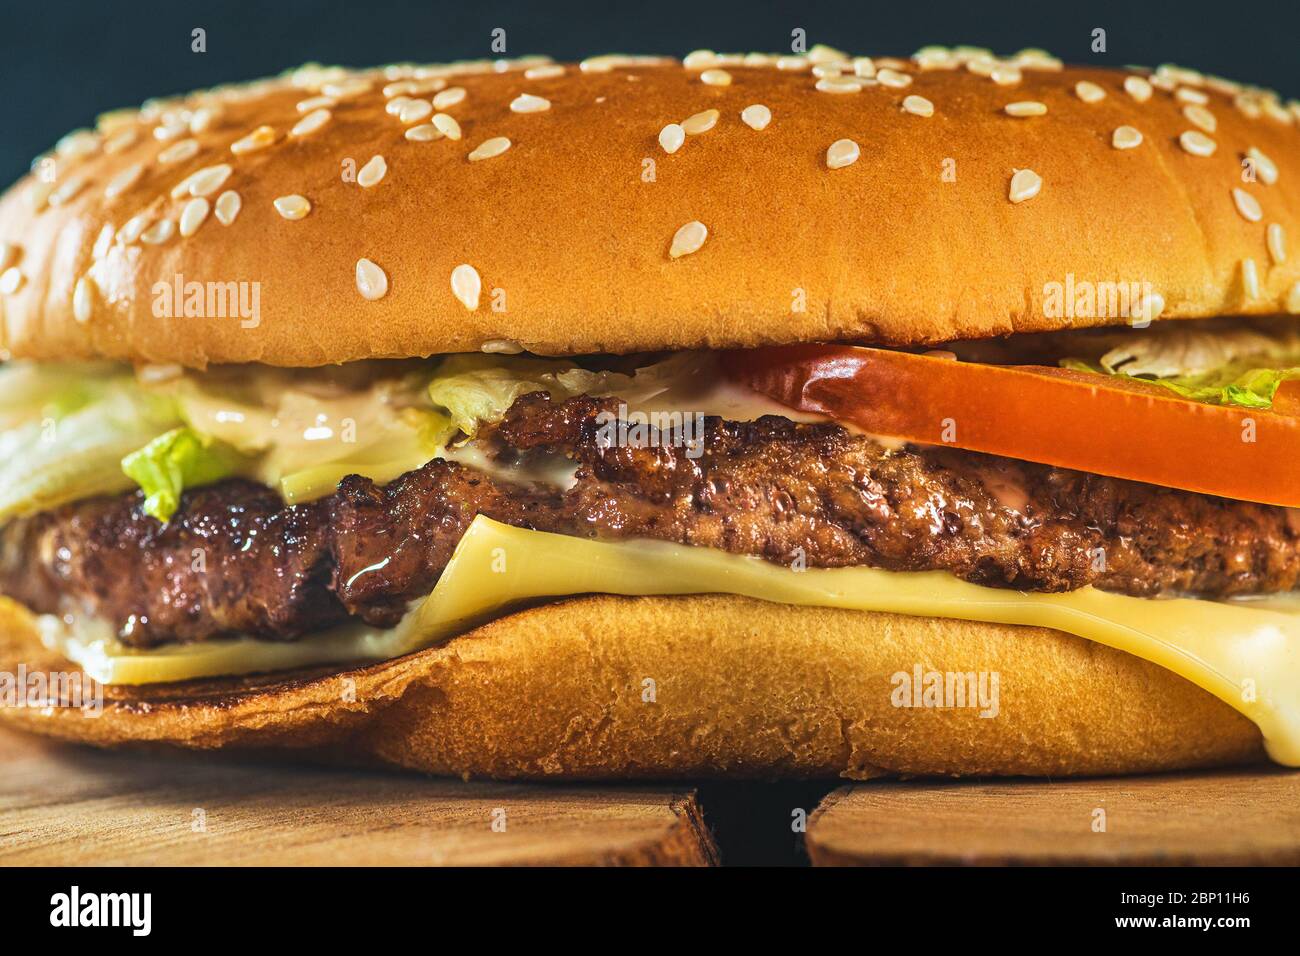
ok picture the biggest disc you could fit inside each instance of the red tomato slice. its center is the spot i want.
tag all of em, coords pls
(1100, 424)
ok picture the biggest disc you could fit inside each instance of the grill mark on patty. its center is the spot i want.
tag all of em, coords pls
(235, 559)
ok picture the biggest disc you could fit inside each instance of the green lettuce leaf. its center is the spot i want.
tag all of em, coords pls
(480, 388)
(1238, 364)
(64, 451)
(1236, 383)
(176, 460)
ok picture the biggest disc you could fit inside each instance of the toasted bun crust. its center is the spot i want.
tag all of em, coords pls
(740, 688)
(916, 242)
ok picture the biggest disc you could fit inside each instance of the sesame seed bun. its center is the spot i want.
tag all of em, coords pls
(742, 688)
(929, 229)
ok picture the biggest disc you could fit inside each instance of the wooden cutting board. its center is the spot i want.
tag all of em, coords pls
(1223, 818)
(65, 805)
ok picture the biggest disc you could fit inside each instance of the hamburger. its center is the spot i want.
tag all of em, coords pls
(746, 415)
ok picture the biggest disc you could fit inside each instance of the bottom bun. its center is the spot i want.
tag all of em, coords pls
(654, 687)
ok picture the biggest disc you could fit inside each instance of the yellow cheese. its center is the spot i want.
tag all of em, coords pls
(1248, 657)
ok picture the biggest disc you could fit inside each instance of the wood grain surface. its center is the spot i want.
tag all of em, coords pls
(65, 805)
(1231, 817)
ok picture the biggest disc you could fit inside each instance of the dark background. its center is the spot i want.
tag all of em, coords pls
(64, 61)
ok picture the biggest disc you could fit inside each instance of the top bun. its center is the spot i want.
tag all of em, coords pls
(571, 228)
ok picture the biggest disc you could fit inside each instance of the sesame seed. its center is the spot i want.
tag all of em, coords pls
(1276, 243)
(839, 84)
(447, 125)
(120, 141)
(1265, 168)
(8, 255)
(700, 122)
(204, 118)
(394, 106)
(489, 148)
(550, 71)
(134, 227)
(1247, 205)
(688, 239)
(348, 88)
(1089, 92)
(169, 131)
(227, 207)
(116, 120)
(1026, 108)
(295, 207)
(1025, 184)
(158, 233)
(203, 182)
(893, 79)
(699, 59)
(864, 67)
(78, 144)
(316, 103)
(449, 97)
(1200, 116)
(1149, 307)
(1181, 74)
(179, 152)
(1036, 59)
(795, 63)
(934, 57)
(466, 285)
(918, 106)
(826, 69)
(1276, 111)
(103, 242)
(501, 347)
(1198, 144)
(841, 153)
(372, 172)
(11, 281)
(671, 138)
(1138, 88)
(37, 195)
(1185, 95)
(756, 116)
(427, 86)
(716, 78)
(372, 282)
(193, 214)
(1292, 298)
(1005, 75)
(413, 111)
(83, 301)
(424, 133)
(259, 138)
(124, 180)
(1125, 137)
(527, 103)
(1247, 104)
(821, 53)
(1220, 85)
(65, 192)
(1249, 279)
(311, 122)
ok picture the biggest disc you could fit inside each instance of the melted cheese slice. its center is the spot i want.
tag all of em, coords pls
(1247, 656)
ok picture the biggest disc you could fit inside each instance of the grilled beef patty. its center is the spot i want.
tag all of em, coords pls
(235, 559)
